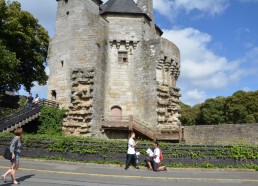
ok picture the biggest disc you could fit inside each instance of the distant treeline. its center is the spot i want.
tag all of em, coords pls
(241, 107)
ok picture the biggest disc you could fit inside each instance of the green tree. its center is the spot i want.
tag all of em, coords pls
(212, 111)
(9, 65)
(22, 35)
(188, 114)
(242, 107)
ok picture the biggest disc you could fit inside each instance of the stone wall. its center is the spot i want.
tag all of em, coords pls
(221, 134)
(123, 37)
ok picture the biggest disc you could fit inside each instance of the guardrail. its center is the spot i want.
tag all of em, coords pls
(22, 114)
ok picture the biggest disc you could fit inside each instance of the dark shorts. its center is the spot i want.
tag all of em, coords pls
(16, 158)
(155, 165)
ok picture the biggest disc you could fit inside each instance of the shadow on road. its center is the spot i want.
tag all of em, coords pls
(20, 179)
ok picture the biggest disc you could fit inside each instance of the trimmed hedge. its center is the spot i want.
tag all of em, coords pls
(114, 151)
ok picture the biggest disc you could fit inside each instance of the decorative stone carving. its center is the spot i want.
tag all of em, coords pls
(168, 95)
(128, 44)
(80, 114)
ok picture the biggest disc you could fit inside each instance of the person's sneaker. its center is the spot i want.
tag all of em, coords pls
(165, 169)
(126, 168)
(137, 167)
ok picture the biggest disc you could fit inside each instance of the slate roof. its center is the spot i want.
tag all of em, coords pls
(120, 7)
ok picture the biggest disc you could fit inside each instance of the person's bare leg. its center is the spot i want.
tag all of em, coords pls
(149, 165)
(3, 177)
(14, 168)
(6, 173)
(162, 168)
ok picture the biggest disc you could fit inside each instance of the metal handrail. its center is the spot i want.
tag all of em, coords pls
(24, 113)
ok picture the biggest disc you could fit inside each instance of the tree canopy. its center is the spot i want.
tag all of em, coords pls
(23, 48)
(241, 107)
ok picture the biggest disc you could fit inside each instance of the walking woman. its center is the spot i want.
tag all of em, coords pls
(15, 149)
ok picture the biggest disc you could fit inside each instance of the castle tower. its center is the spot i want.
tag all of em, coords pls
(108, 62)
(147, 7)
(76, 61)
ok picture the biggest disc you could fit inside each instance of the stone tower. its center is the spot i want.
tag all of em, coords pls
(147, 7)
(109, 61)
(77, 63)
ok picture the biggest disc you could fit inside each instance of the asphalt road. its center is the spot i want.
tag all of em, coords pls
(43, 173)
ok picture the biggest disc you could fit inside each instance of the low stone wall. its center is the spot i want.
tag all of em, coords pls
(221, 134)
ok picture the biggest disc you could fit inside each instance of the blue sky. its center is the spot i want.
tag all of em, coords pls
(218, 40)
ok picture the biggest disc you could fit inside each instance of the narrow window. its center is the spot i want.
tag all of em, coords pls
(62, 63)
(53, 94)
(122, 57)
(66, 1)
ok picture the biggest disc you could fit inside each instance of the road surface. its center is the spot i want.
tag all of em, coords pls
(53, 173)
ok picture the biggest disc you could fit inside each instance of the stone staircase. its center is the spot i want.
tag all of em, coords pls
(132, 124)
(22, 117)
(21, 123)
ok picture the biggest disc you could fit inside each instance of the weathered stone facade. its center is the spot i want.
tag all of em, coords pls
(112, 55)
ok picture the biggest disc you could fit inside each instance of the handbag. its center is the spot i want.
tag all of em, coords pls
(7, 154)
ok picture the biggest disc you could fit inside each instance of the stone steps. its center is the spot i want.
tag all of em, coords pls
(21, 123)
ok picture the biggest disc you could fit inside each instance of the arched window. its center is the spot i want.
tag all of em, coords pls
(116, 113)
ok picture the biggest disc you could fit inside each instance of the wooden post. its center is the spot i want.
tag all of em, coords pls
(155, 135)
(130, 123)
(180, 136)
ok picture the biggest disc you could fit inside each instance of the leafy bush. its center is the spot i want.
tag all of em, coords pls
(50, 121)
(113, 151)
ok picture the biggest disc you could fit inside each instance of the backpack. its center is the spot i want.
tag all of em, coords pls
(160, 155)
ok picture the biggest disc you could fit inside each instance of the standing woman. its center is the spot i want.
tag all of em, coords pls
(131, 154)
(15, 149)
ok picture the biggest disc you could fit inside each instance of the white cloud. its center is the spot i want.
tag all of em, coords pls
(173, 7)
(194, 96)
(201, 69)
(164, 7)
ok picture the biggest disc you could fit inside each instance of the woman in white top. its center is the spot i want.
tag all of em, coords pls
(131, 154)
